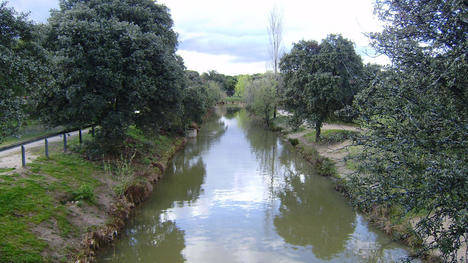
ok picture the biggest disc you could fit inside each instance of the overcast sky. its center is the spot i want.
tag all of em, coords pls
(231, 36)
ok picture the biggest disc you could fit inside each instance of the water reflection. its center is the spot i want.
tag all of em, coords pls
(154, 236)
(308, 216)
(230, 111)
(237, 193)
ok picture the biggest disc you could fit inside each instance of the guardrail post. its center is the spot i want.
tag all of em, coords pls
(23, 156)
(46, 143)
(81, 138)
(64, 142)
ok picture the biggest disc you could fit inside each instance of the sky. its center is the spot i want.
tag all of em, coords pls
(231, 36)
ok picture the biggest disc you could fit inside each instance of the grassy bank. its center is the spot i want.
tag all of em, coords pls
(64, 208)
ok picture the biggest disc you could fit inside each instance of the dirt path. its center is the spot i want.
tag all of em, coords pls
(11, 158)
(332, 126)
(335, 152)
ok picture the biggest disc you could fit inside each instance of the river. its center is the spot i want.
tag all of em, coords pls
(238, 193)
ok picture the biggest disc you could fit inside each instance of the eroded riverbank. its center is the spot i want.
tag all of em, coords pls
(63, 208)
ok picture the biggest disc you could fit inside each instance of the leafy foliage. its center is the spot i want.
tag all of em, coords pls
(415, 150)
(320, 79)
(227, 83)
(242, 81)
(116, 66)
(260, 96)
(199, 97)
(22, 68)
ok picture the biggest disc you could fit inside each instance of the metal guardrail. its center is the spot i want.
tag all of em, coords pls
(46, 142)
(4, 148)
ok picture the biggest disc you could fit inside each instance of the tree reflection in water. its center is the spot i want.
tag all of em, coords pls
(152, 236)
(308, 215)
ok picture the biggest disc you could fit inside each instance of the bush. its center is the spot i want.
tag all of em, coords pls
(326, 167)
(84, 193)
(294, 141)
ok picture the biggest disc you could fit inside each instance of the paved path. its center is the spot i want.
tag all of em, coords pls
(11, 158)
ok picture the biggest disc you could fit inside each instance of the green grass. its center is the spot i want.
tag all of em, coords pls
(351, 161)
(39, 195)
(4, 170)
(233, 99)
(331, 136)
(30, 199)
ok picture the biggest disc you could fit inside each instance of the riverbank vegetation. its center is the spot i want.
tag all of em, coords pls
(409, 161)
(111, 64)
(67, 206)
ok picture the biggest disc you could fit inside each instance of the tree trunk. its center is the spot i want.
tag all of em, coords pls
(267, 118)
(318, 127)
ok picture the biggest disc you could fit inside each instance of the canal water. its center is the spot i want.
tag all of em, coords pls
(237, 193)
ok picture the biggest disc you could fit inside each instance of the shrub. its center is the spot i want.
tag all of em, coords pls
(294, 141)
(85, 192)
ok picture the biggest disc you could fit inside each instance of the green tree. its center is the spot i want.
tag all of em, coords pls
(23, 68)
(320, 79)
(242, 81)
(116, 66)
(415, 150)
(260, 96)
(227, 83)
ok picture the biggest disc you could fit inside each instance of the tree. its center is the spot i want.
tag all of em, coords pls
(199, 96)
(242, 81)
(275, 36)
(23, 68)
(116, 66)
(415, 150)
(320, 79)
(260, 96)
(227, 83)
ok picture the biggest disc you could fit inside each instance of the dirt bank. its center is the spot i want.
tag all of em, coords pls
(64, 208)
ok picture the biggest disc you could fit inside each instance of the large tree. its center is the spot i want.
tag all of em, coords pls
(116, 66)
(320, 79)
(23, 68)
(415, 150)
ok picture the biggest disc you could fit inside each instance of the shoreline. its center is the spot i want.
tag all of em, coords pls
(66, 207)
(330, 161)
(124, 206)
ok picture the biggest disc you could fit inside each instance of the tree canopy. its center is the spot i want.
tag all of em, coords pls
(320, 79)
(260, 96)
(415, 150)
(227, 83)
(23, 68)
(116, 65)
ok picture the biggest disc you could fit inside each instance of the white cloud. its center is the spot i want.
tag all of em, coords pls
(231, 36)
(203, 62)
(242, 21)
